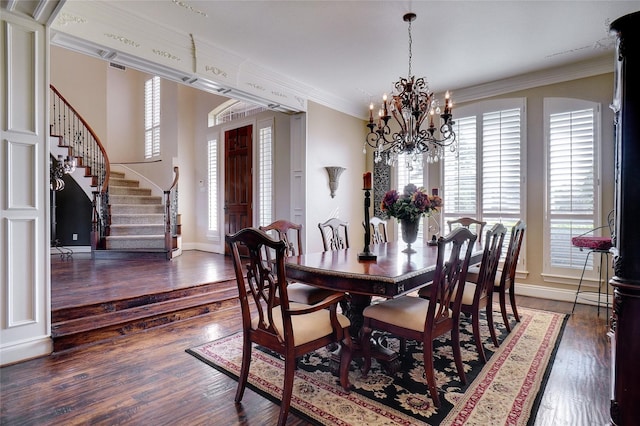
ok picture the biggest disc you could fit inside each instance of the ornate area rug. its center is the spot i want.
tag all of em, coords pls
(506, 390)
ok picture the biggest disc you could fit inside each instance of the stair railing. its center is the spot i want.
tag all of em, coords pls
(171, 213)
(85, 146)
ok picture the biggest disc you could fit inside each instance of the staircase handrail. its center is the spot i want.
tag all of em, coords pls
(105, 183)
(171, 212)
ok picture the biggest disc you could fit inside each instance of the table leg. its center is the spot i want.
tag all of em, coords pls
(354, 311)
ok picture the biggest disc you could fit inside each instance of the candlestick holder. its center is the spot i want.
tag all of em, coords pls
(366, 252)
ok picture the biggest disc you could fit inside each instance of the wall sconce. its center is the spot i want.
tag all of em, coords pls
(334, 173)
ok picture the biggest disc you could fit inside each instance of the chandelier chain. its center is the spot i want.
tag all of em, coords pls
(410, 54)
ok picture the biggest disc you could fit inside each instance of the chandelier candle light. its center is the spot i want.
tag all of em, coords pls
(411, 103)
(366, 186)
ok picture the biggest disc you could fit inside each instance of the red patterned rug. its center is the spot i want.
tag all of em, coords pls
(503, 391)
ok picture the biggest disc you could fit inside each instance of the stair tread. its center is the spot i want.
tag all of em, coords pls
(107, 319)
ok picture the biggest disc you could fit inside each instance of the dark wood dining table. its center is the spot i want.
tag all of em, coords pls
(392, 274)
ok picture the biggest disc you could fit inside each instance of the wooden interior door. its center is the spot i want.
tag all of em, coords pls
(237, 179)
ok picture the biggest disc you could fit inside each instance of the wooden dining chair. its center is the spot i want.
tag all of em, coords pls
(271, 321)
(378, 230)
(479, 294)
(424, 320)
(335, 234)
(507, 279)
(298, 292)
(467, 222)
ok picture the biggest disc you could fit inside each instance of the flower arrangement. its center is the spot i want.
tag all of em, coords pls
(412, 204)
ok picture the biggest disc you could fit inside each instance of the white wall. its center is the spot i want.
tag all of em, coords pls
(334, 139)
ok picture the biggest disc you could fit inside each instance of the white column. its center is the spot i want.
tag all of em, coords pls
(25, 305)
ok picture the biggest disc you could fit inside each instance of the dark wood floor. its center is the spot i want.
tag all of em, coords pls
(149, 379)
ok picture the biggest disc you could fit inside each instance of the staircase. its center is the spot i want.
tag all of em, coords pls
(128, 221)
(137, 217)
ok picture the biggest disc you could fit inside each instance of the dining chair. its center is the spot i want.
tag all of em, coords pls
(298, 292)
(335, 234)
(271, 321)
(467, 222)
(479, 294)
(507, 280)
(378, 230)
(424, 320)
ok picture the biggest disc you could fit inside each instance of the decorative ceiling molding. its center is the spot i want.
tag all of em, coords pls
(65, 19)
(190, 8)
(122, 39)
(165, 54)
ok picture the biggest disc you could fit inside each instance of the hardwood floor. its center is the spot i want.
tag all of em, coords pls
(149, 379)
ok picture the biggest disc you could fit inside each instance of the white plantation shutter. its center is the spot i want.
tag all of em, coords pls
(484, 179)
(501, 159)
(460, 172)
(265, 184)
(212, 161)
(152, 117)
(572, 180)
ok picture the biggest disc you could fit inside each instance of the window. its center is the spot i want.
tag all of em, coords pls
(152, 117)
(484, 177)
(212, 161)
(265, 173)
(572, 181)
(233, 110)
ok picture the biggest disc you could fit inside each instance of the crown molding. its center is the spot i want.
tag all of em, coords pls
(583, 69)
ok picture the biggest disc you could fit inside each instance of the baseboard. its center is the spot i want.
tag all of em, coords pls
(563, 295)
(24, 351)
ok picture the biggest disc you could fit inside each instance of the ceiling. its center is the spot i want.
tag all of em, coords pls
(343, 54)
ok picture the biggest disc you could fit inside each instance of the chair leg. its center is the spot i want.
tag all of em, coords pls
(580, 283)
(503, 307)
(475, 320)
(287, 389)
(492, 329)
(244, 368)
(346, 353)
(427, 353)
(512, 299)
(365, 345)
(457, 353)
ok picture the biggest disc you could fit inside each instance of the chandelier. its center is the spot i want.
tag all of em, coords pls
(411, 103)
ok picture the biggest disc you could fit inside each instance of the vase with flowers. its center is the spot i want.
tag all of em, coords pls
(408, 208)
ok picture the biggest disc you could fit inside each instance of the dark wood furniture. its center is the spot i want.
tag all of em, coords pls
(298, 292)
(393, 274)
(467, 222)
(507, 280)
(335, 234)
(378, 230)
(625, 326)
(478, 293)
(424, 320)
(268, 319)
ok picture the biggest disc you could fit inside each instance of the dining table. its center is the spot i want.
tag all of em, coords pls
(394, 272)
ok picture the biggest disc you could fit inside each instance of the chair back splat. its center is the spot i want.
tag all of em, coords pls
(268, 319)
(467, 222)
(298, 292)
(378, 230)
(335, 234)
